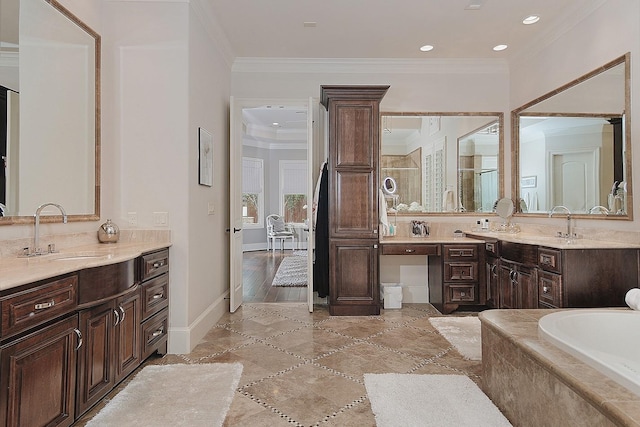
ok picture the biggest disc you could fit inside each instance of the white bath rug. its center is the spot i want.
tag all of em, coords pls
(462, 332)
(173, 395)
(410, 400)
(291, 272)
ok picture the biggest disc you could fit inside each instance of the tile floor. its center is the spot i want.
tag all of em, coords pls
(306, 369)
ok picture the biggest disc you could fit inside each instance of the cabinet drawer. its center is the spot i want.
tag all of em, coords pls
(460, 271)
(411, 249)
(461, 293)
(549, 289)
(155, 295)
(154, 264)
(37, 305)
(491, 247)
(154, 333)
(550, 259)
(458, 252)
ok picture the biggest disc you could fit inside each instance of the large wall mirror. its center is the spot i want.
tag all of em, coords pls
(49, 112)
(442, 163)
(572, 147)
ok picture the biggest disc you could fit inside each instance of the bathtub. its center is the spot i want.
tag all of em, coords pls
(605, 339)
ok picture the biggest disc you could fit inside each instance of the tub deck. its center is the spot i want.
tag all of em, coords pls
(535, 383)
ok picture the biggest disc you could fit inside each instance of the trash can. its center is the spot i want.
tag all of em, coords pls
(391, 294)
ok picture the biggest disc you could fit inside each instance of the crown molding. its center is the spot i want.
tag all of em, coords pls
(371, 66)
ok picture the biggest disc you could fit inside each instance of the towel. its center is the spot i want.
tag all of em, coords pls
(382, 207)
(448, 201)
(632, 298)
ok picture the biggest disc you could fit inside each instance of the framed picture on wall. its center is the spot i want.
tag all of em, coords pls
(529, 181)
(205, 150)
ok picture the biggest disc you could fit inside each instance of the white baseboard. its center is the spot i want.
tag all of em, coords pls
(183, 340)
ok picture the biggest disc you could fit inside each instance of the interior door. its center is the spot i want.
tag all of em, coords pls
(311, 112)
(235, 206)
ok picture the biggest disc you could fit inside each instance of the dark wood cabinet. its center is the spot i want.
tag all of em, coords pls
(354, 146)
(517, 285)
(66, 342)
(39, 377)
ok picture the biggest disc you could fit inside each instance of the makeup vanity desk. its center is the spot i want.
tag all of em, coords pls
(456, 275)
(520, 271)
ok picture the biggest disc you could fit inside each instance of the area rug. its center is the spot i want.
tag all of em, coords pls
(173, 395)
(291, 272)
(462, 332)
(406, 400)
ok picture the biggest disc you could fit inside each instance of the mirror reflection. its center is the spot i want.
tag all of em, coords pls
(442, 162)
(573, 149)
(49, 111)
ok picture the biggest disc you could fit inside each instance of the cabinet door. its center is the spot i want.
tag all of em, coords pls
(128, 334)
(491, 275)
(96, 370)
(38, 377)
(508, 290)
(354, 277)
(527, 287)
(354, 205)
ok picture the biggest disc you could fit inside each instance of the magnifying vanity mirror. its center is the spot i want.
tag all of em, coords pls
(572, 147)
(442, 163)
(49, 112)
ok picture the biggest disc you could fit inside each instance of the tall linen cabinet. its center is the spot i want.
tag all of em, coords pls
(354, 145)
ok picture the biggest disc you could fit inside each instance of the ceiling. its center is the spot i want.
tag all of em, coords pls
(383, 29)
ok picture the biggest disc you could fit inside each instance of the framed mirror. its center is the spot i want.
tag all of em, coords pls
(442, 163)
(572, 147)
(49, 112)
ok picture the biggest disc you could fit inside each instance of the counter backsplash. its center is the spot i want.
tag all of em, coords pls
(11, 248)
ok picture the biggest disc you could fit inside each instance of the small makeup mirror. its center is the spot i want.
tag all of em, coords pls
(389, 185)
(504, 208)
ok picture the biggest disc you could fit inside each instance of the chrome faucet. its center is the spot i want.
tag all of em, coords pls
(599, 210)
(36, 236)
(568, 212)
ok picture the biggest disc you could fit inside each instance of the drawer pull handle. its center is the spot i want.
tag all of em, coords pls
(157, 333)
(116, 317)
(158, 264)
(44, 305)
(409, 250)
(123, 314)
(79, 334)
(545, 289)
(158, 296)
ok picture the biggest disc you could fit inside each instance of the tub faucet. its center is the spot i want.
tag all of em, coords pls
(36, 235)
(568, 212)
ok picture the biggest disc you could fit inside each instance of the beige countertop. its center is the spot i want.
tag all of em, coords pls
(552, 241)
(425, 240)
(19, 271)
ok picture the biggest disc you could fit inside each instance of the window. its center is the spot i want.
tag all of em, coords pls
(293, 190)
(252, 192)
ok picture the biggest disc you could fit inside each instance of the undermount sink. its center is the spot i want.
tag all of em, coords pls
(79, 256)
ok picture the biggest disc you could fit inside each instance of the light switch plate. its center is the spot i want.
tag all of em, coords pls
(211, 208)
(132, 218)
(161, 218)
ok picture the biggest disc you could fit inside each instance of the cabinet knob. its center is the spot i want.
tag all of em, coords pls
(545, 289)
(409, 250)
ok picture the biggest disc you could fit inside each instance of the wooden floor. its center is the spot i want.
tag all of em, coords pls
(258, 270)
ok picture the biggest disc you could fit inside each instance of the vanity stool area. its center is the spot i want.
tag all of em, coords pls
(67, 340)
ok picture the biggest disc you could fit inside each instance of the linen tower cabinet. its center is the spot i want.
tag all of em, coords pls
(354, 145)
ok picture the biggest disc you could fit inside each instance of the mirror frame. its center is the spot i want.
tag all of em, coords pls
(501, 173)
(515, 139)
(95, 215)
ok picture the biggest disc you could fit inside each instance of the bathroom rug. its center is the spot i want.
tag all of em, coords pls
(173, 395)
(462, 332)
(291, 272)
(412, 400)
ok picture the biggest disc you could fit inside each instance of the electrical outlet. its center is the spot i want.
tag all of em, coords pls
(132, 218)
(211, 208)
(161, 218)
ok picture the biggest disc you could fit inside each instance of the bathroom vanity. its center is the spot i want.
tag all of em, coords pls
(69, 339)
(548, 272)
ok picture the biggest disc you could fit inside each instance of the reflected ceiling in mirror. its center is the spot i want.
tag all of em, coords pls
(573, 148)
(52, 102)
(442, 163)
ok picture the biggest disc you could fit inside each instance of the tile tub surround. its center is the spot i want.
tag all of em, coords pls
(535, 383)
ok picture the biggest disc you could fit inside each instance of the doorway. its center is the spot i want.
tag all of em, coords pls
(272, 166)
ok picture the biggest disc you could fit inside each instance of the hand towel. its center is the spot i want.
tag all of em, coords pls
(448, 201)
(632, 298)
(382, 208)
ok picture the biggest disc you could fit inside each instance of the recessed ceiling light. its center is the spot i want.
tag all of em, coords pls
(426, 48)
(500, 47)
(275, 124)
(531, 19)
